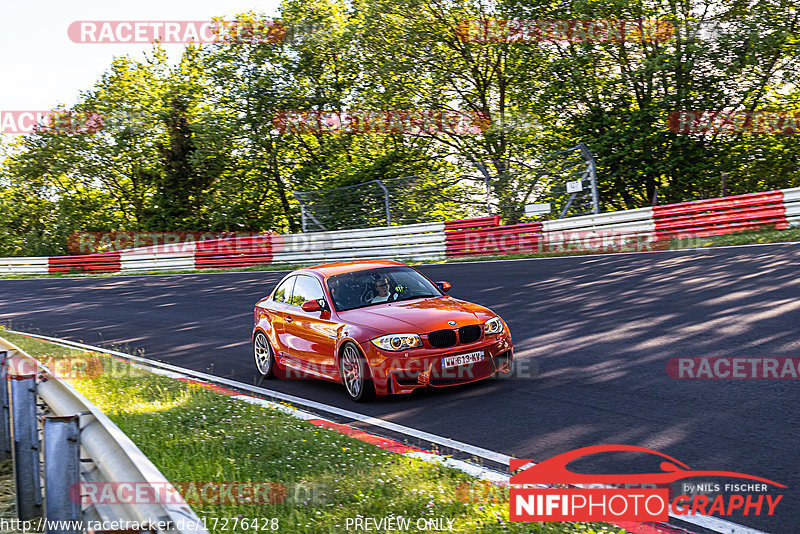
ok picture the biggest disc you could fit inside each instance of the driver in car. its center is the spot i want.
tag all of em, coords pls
(382, 287)
(338, 291)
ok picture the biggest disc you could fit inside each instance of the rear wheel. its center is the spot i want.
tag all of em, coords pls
(262, 353)
(355, 374)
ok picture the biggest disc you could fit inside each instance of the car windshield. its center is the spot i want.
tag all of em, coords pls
(375, 286)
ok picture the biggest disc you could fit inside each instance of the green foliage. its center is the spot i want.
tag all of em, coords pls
(191, 146)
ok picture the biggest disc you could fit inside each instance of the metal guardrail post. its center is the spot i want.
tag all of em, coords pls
(26, 446)
(62, 473)
(114, 456)
(5, 414)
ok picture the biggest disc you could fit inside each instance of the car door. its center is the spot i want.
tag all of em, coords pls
(311, 336)
(279, 308)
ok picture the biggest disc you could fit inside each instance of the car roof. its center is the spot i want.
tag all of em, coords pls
(331, 269)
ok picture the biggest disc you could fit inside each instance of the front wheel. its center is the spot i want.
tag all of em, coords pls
(355, 374)
(262, 353)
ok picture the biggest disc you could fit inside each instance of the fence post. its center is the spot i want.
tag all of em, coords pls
(587, 154)
(481, 167)
(26, 446)
(386, 202)
(62, 473)
(5, 414)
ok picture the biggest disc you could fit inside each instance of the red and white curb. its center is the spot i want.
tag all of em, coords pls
(217, 384)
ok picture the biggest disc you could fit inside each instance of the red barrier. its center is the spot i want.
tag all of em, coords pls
(93, 263)
(479, 222)
(235, 252)
(720, 229)
(722, 203)
(718, 216)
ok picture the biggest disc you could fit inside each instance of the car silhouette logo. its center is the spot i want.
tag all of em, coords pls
(554, 470)
(452, 323)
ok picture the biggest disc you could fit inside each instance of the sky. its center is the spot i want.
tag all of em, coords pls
(43, 69)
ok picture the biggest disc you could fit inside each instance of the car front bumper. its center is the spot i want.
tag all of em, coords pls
(403, 372)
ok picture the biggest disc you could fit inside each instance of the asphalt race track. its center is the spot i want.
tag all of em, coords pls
(600, 329)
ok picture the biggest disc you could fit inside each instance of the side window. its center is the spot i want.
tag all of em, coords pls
(306, 288)
(284, 291)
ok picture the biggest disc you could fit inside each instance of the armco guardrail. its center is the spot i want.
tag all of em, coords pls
(791, 201)
(485, 236)
(419, 242)
(71, 424)
(630, 230)
(24, 265)
(414, 242)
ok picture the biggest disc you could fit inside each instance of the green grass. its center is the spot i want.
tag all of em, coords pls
(739, 238)
(8, 499)
(192, 434)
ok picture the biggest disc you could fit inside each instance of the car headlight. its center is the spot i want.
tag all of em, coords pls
(493, 326)
(396, 342)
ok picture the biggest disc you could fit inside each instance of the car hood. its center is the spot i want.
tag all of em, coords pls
(418, 316)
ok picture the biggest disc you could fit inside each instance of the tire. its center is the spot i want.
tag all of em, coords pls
(263, 355)
(355, 374)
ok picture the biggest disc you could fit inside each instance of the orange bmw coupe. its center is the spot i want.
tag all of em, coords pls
(378, 327)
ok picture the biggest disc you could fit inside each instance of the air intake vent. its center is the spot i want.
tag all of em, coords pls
(442, 338)
(469, 334)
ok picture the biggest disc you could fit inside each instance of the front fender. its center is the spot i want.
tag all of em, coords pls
(264, 326)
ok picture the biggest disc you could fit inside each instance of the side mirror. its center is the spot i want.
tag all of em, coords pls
(311, 306)
(444, 286)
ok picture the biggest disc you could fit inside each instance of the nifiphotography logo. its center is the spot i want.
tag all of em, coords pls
(590, 497)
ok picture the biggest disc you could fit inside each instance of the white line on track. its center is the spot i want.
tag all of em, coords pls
(709, 522)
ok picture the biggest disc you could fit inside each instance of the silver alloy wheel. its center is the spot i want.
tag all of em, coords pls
(351, 369)
(263, 354)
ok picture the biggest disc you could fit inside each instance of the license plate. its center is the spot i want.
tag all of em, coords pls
(462, 359)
